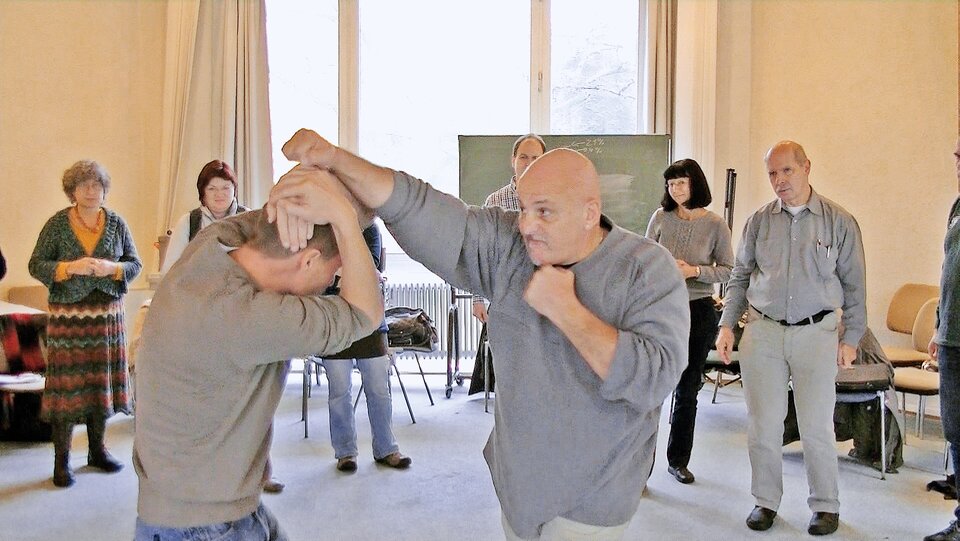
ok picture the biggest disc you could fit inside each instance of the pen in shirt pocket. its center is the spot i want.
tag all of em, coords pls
(821, 245)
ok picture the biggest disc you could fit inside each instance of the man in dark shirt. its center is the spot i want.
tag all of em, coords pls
(945, 348)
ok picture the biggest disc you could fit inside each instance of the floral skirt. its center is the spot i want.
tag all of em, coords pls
(86, 360)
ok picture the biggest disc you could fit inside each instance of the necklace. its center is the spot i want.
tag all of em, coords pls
(96, 227)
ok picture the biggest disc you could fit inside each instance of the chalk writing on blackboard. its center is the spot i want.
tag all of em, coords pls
(588, 146)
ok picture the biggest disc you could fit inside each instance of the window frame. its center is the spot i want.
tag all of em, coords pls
(349, 69)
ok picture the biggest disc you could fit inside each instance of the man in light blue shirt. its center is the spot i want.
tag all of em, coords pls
(799, 262)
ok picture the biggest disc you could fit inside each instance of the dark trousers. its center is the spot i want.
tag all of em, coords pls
(949, 365)
(703, 332)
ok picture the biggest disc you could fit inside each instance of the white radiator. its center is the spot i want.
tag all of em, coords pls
(435, 300)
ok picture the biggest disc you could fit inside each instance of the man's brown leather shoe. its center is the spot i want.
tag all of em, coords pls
(395, 460)
(761, 518)
(347, 464)
(823, 523)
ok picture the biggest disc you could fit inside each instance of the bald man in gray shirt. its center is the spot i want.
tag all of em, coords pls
(589, 322)
(799, 263)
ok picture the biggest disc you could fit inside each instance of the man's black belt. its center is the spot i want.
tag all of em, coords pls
(815, 318)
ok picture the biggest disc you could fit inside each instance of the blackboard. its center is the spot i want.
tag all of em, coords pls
(630, 167)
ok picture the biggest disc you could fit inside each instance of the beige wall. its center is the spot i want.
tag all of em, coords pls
(78, 80)
(870, 89)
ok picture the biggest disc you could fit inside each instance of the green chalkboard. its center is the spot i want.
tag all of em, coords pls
(630, 167)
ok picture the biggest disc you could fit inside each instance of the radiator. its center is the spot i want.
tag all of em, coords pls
(435, 300)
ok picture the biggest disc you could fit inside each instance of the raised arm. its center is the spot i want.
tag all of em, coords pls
(370, 185)
(316, 197)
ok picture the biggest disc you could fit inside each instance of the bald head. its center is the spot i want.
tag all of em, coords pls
(564, 170)
(560, 208)
(788, 170)
(793, 147)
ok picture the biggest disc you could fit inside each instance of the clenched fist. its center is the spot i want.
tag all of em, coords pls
(308, 148)
(550, 291)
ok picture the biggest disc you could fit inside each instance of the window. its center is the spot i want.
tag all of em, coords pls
(594, 61)
(302, 53)
(430, 70)
(438, 74)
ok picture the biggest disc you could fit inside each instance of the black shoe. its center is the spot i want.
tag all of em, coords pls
(950, 533)
(395, 460)
(823, 523)
(347, 464)
(62, 474)
(681, 474)
(761, 518)
(104, 461)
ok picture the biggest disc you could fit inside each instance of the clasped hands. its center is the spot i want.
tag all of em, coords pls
(92, 266)
(308, 194)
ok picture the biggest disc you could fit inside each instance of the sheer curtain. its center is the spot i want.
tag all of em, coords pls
(215, 102)
(658, 67)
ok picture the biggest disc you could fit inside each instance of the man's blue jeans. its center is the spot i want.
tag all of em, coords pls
(260, 525)
(949, 365)
(376, 387)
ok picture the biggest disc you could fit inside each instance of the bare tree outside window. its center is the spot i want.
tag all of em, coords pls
(594, 67)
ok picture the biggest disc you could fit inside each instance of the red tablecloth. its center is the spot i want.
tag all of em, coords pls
(20, 335)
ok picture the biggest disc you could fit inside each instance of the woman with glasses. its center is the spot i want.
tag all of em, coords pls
(86, 257)
(700, 242)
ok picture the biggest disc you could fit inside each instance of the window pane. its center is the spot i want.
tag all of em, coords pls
(302, 48)
(433, 69)
(593, 63)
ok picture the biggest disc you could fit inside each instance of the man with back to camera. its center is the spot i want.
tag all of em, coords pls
(526, 149)
(212, 362)
(589, 322)
(945, 348)
(800, 260)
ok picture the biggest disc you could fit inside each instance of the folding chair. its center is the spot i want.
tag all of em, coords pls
(714, 364)
(865, 383)
(310, 364)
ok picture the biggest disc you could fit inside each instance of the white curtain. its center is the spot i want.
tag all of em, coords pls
(215, 101)
(658, 66)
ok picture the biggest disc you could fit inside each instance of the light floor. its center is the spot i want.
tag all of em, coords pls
(447, 494)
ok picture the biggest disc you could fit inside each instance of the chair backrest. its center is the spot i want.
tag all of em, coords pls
(925, 325)
(34, 296)
(905, 305)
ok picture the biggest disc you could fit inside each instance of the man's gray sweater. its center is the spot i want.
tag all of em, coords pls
(565, 442)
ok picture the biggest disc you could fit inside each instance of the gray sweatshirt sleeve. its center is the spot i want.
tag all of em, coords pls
(459, 243)
(652, 340)
(272, 327)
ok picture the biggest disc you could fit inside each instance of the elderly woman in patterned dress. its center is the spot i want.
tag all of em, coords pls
(86, 257)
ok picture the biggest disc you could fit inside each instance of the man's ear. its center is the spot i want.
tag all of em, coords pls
(592, 213)
(308, 258)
